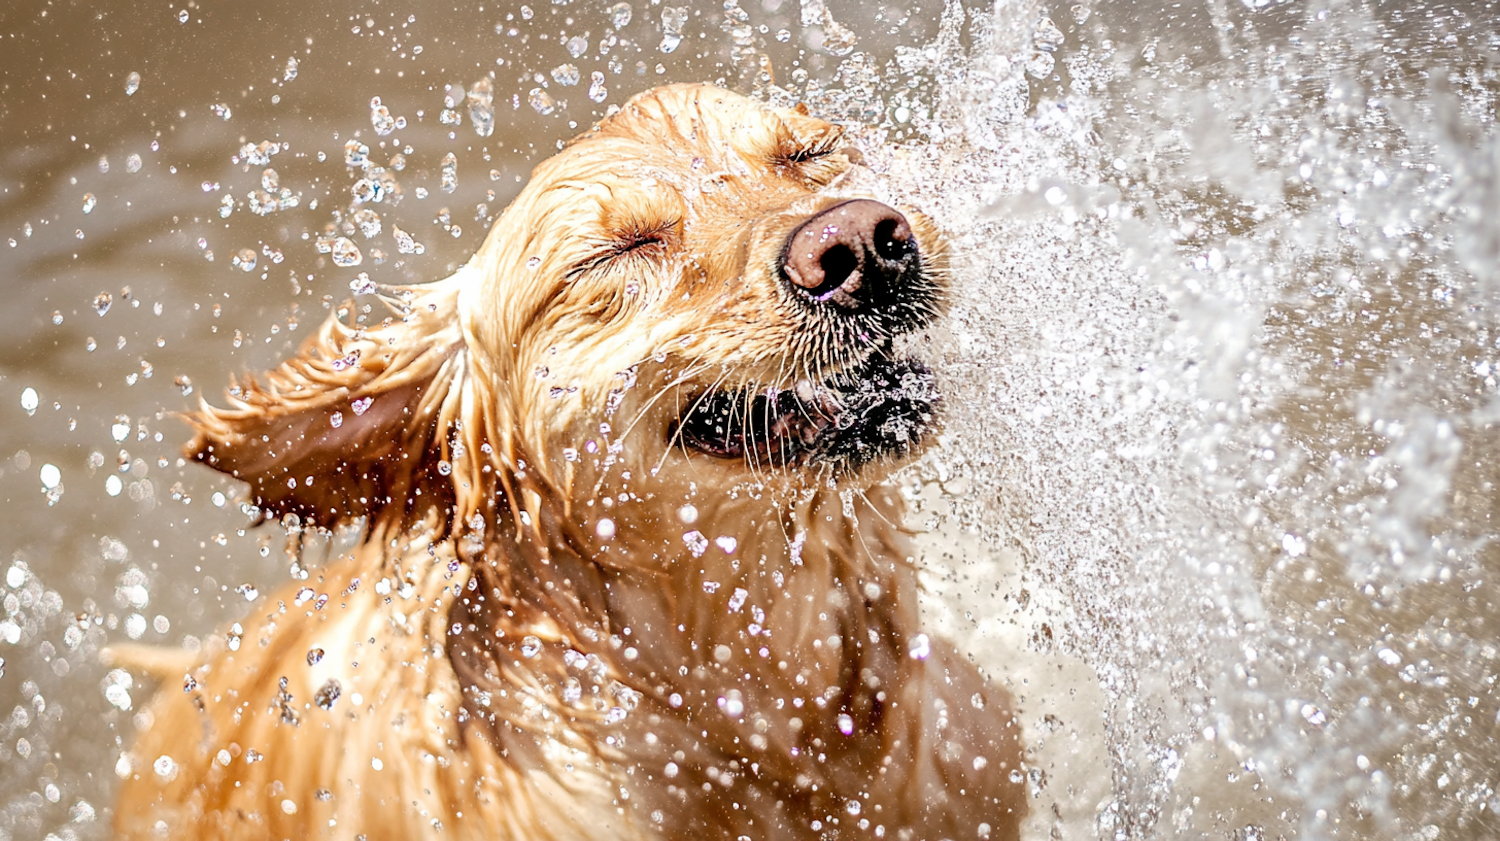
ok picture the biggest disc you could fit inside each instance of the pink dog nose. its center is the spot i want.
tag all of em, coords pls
(854, 255)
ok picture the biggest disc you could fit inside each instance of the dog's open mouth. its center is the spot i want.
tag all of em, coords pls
(883, 408)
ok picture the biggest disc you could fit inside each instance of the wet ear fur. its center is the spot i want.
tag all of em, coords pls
(356, 423)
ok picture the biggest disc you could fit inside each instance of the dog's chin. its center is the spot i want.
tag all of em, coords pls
(882, 410)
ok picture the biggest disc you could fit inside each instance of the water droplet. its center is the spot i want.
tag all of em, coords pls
(1047, 36)
(404, 242)
(597, 91)
(846, 726)
(356, 155)
(362, 284)
(361, 405)
(1314, 716)
(380, 117)
(165, 767)
(605, 528)
(577, 46)
(530, 646)
(345, 253)
(695, 542)
(619, 14)
(919, 647)
(837, 38)
(244, 259)
(248, 591)
(120, 429)
(221, 111)
(737, 599)
(328, 694)
(30, 400)
(88, 202)
(672, 20)
(336, 420)
(1040, 64)
(565, 74)
(726, 544)
(132, 83)
(51, 476)
(182, 16)
(291, 70)
(481, 101)
(102, 302)
(541, 101)
(450, 173)
(258, 154)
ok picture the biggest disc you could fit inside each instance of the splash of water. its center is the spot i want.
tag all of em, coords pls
(1221, 369)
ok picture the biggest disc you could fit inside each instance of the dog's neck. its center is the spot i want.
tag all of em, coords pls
(809, 599)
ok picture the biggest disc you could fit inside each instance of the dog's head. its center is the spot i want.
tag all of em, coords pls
(685, 295)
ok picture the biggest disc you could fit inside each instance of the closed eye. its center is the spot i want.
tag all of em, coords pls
(805, 154)
(641, 242)
(637, 242)
(819, 161)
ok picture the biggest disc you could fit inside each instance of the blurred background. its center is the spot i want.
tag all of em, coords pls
(1217, 495)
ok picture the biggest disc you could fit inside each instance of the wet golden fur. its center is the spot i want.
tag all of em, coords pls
(510, 666)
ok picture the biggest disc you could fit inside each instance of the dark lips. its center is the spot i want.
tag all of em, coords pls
(883, 408)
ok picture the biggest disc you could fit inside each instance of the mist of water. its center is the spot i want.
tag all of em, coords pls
(1223, 377)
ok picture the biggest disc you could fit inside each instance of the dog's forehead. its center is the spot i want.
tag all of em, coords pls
(709, 126)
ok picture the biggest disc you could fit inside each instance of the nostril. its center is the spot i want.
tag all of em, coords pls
(839, 263)
(892, 239)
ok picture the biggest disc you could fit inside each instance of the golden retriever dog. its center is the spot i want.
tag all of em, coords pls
(629, 569)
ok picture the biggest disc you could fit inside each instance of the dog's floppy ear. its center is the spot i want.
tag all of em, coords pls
(356, 423)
